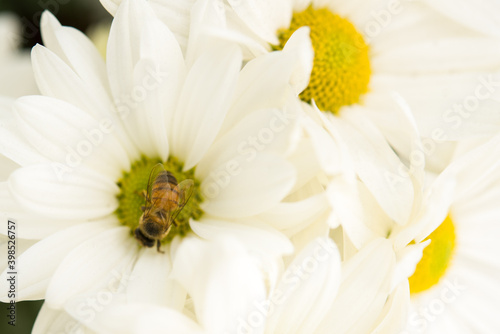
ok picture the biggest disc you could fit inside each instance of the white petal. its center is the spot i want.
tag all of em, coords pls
(76, 49)
(130, 84)
(30, 225)
(264, 82)
(162, 64)
(294, 216)
(360, 216)
(82, 195)
(203, 103)
(239, 191)
(377, 165)
(393, 318)
(300, 302)
(363, 291)
(12, 143)
(478, 16)
(469, 107)
(50, 320)
(92, 265)
(57, 79)
(256, 237)
(231, 283)
(300, 46)
(136, 318)
(441, 55)
(264, 17)
(7, 166)
(40, 261)
(266, 130)
(176, 15)
(69, 136)
(111, 5)
(151, 283)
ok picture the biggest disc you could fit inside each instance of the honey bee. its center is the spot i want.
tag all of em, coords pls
(165, 198)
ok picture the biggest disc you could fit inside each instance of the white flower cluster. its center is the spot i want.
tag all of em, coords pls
(257, 167)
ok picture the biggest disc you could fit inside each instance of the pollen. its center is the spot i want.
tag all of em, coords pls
(131, 198)
(436, 257)
(341, 69)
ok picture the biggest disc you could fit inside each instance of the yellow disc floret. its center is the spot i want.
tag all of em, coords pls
(341, 70)
(436, 257)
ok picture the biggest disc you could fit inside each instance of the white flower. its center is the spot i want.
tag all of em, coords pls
(88, 145)
(454, 287)
(16, 74)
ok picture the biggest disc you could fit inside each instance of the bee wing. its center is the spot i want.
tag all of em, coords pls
(185, 189)
(157, 169)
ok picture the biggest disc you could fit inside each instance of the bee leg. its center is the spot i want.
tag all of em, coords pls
(175, 223)
(158, 244)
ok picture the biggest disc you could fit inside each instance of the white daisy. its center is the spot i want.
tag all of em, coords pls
(88, 145)
(451, 224)
(454, 287)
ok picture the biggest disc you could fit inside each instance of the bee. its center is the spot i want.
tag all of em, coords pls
(165, 198)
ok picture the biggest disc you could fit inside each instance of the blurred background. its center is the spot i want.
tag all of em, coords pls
(19, 32)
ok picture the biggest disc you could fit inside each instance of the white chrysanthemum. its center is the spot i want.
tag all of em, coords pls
(457, 211)
(315, 294)
(88, 145)
(16, 73)
(455, 285)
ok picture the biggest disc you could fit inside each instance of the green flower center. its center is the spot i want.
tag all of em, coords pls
(131, 197)
(436, 257)
(341, 70)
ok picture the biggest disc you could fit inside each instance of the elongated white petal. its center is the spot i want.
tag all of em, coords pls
(76, 49)
(70, 137)
(131, 83)
(30, 224)
(266, 130)
(263, 83)
(111, 5)
(231, 284)
(82, 195)
(469, 109)
(474, 16)
(294, 216)
(238, 192)
(264, 17)
(162, 71)
(395, 314)
(299, 303)
(50, 320)
(257, 237)
(84, 269)
(364, 290)
(176, 16)
(40, 261)
(203, 103)
(136, 318)
(151, 283)
(12, 143)
(377, 166)
(300, 46)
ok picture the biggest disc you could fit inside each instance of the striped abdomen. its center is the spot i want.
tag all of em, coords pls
(164, 192)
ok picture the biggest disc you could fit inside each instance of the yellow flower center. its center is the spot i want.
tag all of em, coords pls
(436, 257)
(341, 69)
(134, 182)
